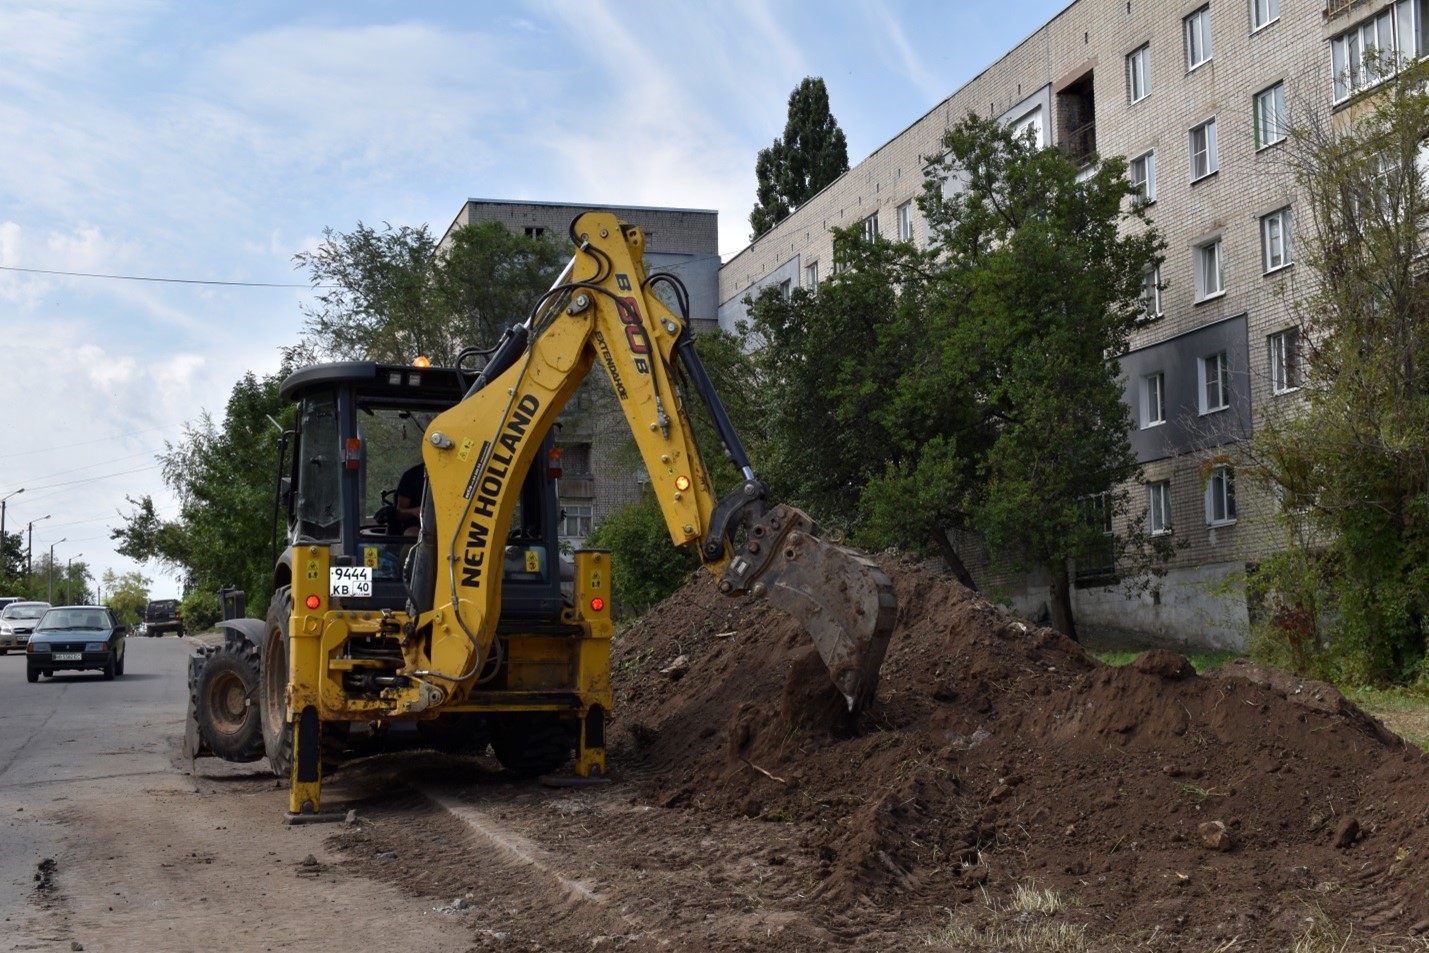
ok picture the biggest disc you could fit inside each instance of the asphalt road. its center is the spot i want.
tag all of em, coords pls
(65, 736)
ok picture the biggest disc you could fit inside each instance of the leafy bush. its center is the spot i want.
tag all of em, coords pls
(645, 564)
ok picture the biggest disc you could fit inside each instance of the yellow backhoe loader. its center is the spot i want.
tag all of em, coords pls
(421, 585)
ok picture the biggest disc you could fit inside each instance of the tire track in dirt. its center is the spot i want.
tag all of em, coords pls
(512, 845)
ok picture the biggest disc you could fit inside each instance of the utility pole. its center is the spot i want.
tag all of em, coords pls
(69, 584)
(2, 512)
(51, 598)
(30, 546)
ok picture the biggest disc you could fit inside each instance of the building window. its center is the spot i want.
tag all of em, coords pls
(1270, 124)
(1138, 74)
(1142, 171)
(1153, 400)
(870, 227)
(576, 520)
(1275, 244)
(1097, 511)
(1077, 119)
(905, 222)
(1373, 50)
(811, 275)
(1030, 125)
(1220, 496)
(1210, 279)
(1285, 360)
(1158, 507)
(1151, 293)
(1198, 37)
(535, 231)
(1214, 377)
(1205, 156)
(1263, 13)
(575, 461)
(786, 288)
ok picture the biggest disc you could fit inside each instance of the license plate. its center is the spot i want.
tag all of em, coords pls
(350, 582)
(68, 656)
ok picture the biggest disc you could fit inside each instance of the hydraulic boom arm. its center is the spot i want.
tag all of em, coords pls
(603, 311)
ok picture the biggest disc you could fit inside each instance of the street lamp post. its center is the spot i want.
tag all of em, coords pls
(52, 568)
(69, 585)
(30, 546)
(2, 512)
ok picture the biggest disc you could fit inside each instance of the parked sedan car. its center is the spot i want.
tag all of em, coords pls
(17, 621)
(76, 637)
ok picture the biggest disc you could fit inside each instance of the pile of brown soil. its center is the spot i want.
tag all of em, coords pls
(1243, 804)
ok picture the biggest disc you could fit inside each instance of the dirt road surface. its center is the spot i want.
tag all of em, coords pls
(1005, 792)
(110, 843)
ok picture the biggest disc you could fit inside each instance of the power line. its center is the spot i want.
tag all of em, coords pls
(172, 281)
(106, 476)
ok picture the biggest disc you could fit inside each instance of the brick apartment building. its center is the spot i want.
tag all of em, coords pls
(1197, 96)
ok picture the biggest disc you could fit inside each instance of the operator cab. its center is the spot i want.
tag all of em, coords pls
(357, 458)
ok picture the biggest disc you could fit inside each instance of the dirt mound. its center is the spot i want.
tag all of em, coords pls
(1244, 803)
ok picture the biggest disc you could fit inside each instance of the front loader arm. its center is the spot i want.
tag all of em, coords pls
(604, 312)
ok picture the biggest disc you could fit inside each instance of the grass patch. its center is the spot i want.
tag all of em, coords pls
(1023, 922)
(1020, 937)
(1405, 711)
(1200, 661)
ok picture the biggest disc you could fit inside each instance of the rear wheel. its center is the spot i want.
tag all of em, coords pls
(273, 694)
(109, 669)
(534, 743)
(225, 700)
(32, 674)
(119, 665)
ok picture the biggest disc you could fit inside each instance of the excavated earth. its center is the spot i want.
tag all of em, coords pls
(1005, 786)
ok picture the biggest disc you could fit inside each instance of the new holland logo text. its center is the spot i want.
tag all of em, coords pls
(486, 487)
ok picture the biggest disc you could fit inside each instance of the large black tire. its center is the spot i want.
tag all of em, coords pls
(32, 674)
(109, 670)
(225, 701)
(119, 665)
(528, 744)
(273, 688)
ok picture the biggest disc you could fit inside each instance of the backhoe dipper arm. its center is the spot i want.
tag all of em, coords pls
(476, 453)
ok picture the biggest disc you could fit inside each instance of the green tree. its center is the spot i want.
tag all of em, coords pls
(12, 561)
(223, 477)
(967, 387)
(825, 363)
(72, 584)
(394, 294)
(645, 566)
(1349, 594)
(811, 154)
(126, 594)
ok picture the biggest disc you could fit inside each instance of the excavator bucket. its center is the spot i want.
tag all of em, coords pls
(845, 602)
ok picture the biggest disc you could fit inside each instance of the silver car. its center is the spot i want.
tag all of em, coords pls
(17, 621)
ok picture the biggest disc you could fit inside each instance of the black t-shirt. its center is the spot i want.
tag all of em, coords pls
(409, 488)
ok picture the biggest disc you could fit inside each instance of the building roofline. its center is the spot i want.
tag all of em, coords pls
(589, 205)
(634, 208)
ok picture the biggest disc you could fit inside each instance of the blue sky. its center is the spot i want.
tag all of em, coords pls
(208, 143)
